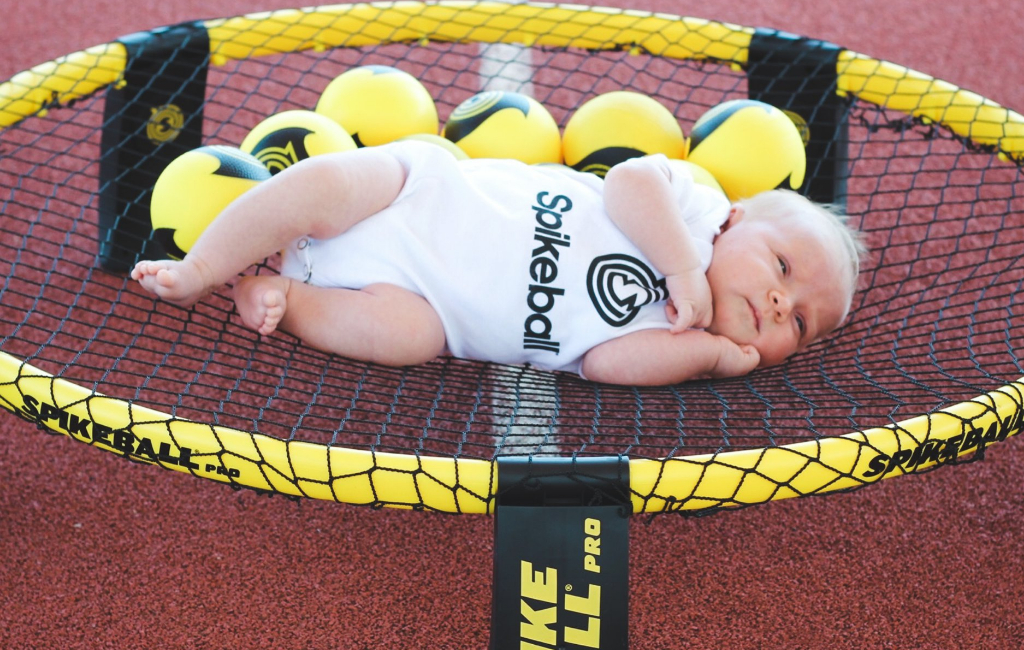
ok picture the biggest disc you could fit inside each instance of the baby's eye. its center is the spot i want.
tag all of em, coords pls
(801, 325)
(783, 265)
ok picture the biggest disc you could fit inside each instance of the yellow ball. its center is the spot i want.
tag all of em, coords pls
(617, 126)
(440, 141)
(195, 188)
(700, 175)
(749, 147)
(503, 124)
(378, 104)
(285, 138)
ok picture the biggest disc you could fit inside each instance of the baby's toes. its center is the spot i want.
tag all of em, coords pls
(167, 278)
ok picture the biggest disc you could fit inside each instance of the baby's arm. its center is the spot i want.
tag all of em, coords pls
(657, 357)
(639, 199)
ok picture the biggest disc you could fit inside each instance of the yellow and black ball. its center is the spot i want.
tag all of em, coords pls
(617, 126)
(284, 139)
(377, 104)
(504, 124)
(749, 147)
(195, 188)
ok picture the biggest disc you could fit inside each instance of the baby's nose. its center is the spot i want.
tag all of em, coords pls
(780, 303)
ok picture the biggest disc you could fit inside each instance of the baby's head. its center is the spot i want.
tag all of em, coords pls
(782, 274)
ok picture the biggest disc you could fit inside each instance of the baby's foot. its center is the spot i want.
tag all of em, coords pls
(179, 283)
(261, 301)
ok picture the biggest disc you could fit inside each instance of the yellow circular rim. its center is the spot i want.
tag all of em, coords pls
(464, 485)
(878, 82)
(467, 485)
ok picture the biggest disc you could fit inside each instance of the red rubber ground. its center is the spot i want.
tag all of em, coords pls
(101, 553)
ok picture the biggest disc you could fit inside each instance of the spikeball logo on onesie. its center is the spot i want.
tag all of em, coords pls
(619, 285)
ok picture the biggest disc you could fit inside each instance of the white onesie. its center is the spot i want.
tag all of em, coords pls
(521, 262)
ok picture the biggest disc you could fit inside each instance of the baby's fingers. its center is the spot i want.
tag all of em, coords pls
(745, 361)
(689, 315)
(703, 319)
(736, 360)
(670, 311)
(684, 317)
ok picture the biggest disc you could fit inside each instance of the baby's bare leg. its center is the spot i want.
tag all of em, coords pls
(382, 323)
(321, 197)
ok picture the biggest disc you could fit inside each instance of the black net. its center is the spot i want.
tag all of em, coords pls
(933, 324)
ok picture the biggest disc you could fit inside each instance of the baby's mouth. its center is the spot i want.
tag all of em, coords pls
(757, 316)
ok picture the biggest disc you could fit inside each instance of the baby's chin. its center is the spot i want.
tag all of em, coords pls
(770, 363)
(734, 334)
(769, 356)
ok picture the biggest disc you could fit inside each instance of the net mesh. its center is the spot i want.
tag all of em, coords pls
(934, 323)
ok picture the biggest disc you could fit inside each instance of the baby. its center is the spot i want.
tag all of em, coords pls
(399, 253)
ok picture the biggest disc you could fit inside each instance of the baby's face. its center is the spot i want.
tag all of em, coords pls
(777, 284)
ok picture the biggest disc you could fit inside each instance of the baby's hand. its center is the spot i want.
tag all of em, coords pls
(734, 360)
(689, 301)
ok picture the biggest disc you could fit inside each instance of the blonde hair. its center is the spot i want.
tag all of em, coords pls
(786, 204)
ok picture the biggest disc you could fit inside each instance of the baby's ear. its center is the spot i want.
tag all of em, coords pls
(736, 213)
